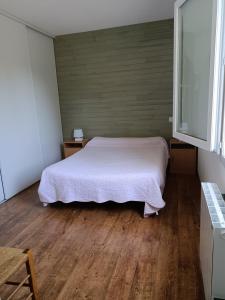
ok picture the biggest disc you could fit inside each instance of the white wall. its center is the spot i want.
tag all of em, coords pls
(211, 169)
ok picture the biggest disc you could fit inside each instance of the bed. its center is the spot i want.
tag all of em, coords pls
(116, 169)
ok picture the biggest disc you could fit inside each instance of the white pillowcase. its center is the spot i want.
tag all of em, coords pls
(126, 142)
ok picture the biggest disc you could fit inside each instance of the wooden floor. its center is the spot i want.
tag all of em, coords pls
(108, 251)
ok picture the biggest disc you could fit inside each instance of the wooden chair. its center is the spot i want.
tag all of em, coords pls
(11, 259)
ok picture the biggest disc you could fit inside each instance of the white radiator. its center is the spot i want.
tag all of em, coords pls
(212, 241)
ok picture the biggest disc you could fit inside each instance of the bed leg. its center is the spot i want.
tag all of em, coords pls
(45, 204)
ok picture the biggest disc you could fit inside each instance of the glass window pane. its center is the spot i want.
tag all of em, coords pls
(195, 27)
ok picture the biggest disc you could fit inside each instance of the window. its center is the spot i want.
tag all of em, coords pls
(198, 73)
(221, 139)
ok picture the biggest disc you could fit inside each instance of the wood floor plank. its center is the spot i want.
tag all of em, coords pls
(108, 251)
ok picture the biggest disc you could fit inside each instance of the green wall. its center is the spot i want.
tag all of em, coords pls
(117, 82)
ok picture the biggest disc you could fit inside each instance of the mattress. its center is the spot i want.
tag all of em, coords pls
(116, 169)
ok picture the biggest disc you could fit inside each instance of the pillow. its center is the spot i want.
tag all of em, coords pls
(126, 142)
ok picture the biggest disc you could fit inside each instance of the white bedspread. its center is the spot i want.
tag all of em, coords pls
(117, 169)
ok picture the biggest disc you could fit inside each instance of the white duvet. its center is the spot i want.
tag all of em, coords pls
(117, 169)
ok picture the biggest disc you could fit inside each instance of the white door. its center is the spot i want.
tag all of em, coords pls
(20, 150)
(197, 58)
(1, 189)
(46, 95)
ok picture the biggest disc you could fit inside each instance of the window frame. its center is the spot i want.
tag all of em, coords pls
(220, 139)
(211, 144)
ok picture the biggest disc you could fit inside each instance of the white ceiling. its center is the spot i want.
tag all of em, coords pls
(69, 16)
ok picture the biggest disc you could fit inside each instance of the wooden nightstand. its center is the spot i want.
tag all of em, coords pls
(71, 146)
(183, 158)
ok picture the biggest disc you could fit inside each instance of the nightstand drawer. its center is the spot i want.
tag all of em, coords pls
(183, 161)
(183, 158)
(72, 146)
(70, 151)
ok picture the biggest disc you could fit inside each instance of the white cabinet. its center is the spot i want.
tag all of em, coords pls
(20, 151)
(30, 126)
(46, 95)
(1, 190)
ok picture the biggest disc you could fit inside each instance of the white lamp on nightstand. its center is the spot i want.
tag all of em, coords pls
(78, 134)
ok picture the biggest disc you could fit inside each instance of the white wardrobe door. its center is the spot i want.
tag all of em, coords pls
(20, 150)
(1, 189)
(46, 95)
